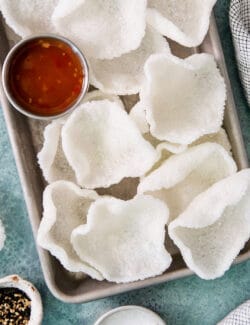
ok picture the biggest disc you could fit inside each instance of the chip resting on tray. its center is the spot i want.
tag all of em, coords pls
(138, 115)
(103, 145)
(184, 99)
(65, 208)
(215, 226)
(51, 158)
(124, 240)
(27, 17)
(102, 29)
(182, 177)
(184, 21)
(124, 75)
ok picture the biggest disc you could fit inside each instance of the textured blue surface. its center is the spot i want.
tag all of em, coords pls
(190, 301)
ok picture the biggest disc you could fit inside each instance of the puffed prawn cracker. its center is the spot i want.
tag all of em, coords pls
(51, 158)
(182, 177)
(99, 95)
(215, 226)
(124, 75)
(102, 29)
(184, 99)
(27, 17)
(124, 240)
(138, 115)
(185, 21)
(65, 208)
(103, 145)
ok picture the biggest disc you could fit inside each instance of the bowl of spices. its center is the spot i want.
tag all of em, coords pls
(20, 302)
(45, 76)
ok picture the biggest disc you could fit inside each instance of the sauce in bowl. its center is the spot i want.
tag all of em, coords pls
(45, 77)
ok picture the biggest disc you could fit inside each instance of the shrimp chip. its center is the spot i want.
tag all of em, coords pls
(124, 240)
(51, 158)
(215, 226)
(27, 17)
(124, 75)
(184, 99)
(185, 22)
(102, 29)
(182, 177)
(103, 145)
(65, 208)
(138, 115)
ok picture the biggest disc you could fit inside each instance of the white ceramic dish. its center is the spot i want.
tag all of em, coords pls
(130, 315)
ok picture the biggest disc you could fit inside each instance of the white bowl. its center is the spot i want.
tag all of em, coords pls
(130, 315)
(36, 310)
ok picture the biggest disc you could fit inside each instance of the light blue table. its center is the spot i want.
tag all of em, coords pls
(189, 301)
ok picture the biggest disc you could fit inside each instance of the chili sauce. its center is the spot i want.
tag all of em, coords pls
(46, 77)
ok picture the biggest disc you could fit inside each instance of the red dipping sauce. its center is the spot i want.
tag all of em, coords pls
(45, 76)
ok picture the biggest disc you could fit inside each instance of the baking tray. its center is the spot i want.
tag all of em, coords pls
(26, 139)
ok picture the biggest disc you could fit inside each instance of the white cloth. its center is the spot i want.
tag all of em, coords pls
(239, 316)
(239, 16)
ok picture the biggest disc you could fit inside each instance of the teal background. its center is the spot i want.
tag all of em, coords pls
(189, 301)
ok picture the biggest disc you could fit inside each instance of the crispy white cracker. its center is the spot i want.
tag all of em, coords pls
(65, 208)
(185, 21)
(215, 226)
(103, 145)
(138, 115)
(51, 158)
(184, 99)
(182, 177)
(99, 95)
(2, 235)
(27, 17)
(124, 240)
(102, 29)
(124, 75)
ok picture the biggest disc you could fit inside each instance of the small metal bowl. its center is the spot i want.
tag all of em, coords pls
(6, 70)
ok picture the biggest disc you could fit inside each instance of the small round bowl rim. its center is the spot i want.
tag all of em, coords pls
(129, 307)
(5, 74)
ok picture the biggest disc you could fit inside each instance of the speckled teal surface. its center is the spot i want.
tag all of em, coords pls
(190, 301)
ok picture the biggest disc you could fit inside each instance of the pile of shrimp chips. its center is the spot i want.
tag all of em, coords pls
(65, 208)
(182, 177)
(215, 226)
(124, 240)
(103, 145)
(185, 21)
(184, 99)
